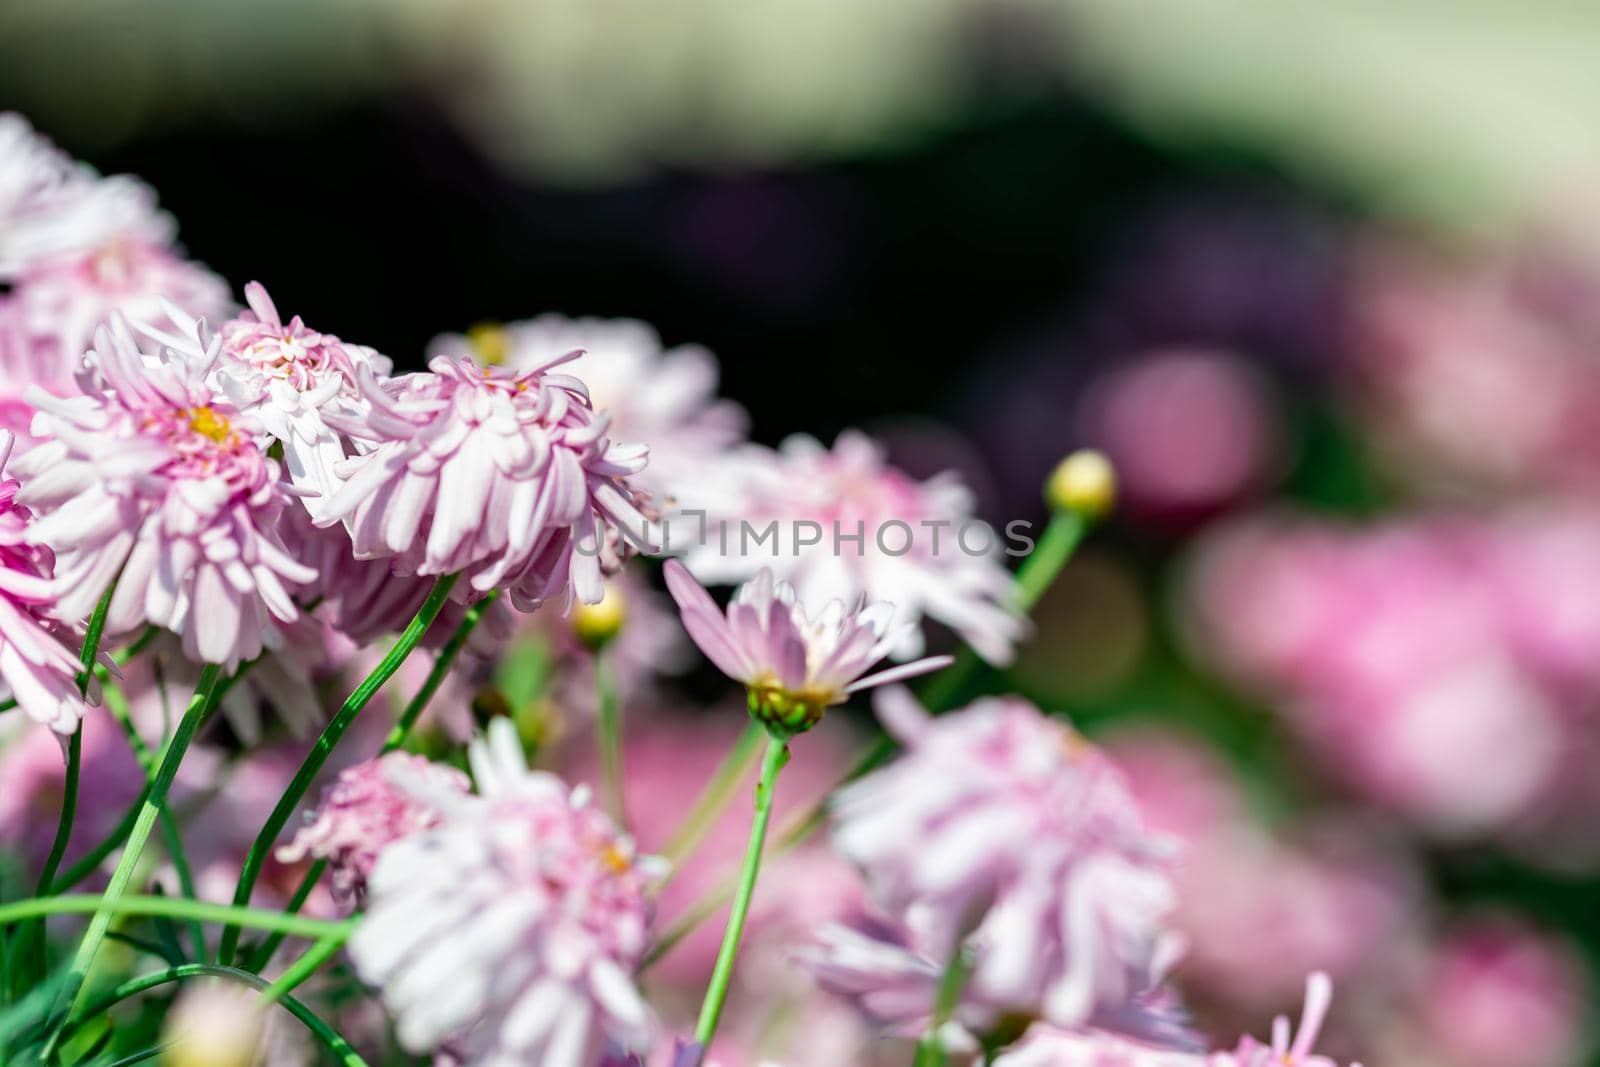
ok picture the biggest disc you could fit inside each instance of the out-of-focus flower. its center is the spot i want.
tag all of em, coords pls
(841, 524)
(1190, 431)
(364, 811)
(1050, 1046)
(214, 1024)
(793, 666)
(1412, 656)
(506, 476)
(510, 931)
(1496, 993)
(678, 415)
(152, 474)
(1003, 830)
(287, 373)
(1287, 1049)
(34, 775)
(40, 672)
(1257, 907)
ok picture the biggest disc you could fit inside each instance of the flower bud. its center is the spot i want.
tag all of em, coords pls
(1084, 483)
(491, 343)
(596, 624)
(214, 1024)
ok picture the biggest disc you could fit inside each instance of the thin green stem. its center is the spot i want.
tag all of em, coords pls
(304, 967)
(199, 707)
(711, 802)
(777, 755)
(167, 908)
(441, 670)
(324, 1033)
(260, 956)
(323, 747)
(117, 703)
(609, 729)
(930, 1050)
(1055, 547)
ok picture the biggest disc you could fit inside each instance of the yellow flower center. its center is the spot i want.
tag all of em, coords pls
(615, 859)
(491, 343)
(207, 423)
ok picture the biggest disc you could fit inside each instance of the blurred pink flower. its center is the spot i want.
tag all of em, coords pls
(34, 773)
(1287, 1048)
(364, 811)
(794, 664)
(847, 525)
(38, 670)
(679, 416)
(511, 930)
(1497, 993)
(150, 473)
(1416, 657)
(506, 477)
(1189, 430)
(1002, 829)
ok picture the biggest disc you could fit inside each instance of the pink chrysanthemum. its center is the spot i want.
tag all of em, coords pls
(364, 811)
(1001, 829)
(844, 524)
(152, 474)
(293, 378)
(793, 665)
(507, 477)
(679, 415)
(39, 671)
(509, 933)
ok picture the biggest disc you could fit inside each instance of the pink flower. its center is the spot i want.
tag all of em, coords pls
(678, 415)
(294, 379)
(1288, 1049)
(1002, 830)
(509, 932)
(847, 525)
(363, 812)
(506, 477)
(793, 665)
(150, 473)
(40, 672)
(34, 773)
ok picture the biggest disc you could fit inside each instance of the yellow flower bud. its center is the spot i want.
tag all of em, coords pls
(597, 624)
(491, 343)
(1085, 483)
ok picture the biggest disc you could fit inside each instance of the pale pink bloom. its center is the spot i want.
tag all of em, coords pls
(152, 474)
(1189, 431)
(363, 812)
(794, 665)
(509, 933)
(678, 414)
(1288, 1048)
(35, 667)
(1497, 993)
(846, 525)
(508, 478)
(293, 379)
(1002, 829)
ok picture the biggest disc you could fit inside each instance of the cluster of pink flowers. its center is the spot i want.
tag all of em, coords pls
(1441, 667)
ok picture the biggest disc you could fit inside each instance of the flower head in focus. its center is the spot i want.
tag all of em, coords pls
(793, 666)
(509, 932)
(364, 811)
(35, 666)
(1001, 830)
(846, 525)
(507, 477)
(678, 413)
(151, 474)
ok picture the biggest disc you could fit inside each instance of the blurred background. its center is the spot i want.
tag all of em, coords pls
(1323, 279)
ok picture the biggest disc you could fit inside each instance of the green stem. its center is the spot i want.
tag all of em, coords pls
(117, 703)
(441, 670)
(199, 707)
(930, 1050)
(1055, 547)
(323, 748)
(166, 908)
(134, 986)
(304, 967)
(709, 805)
(107, 845)
(609, 728)
(717, 993)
